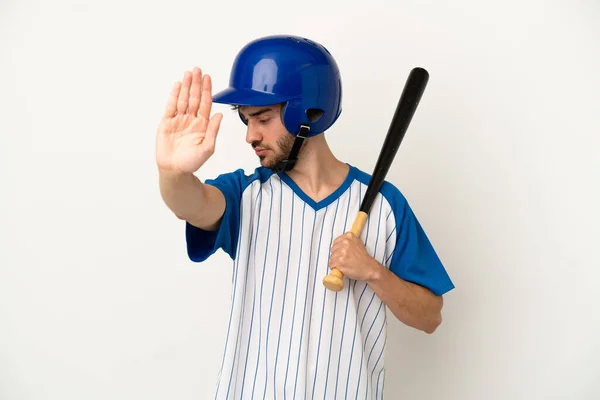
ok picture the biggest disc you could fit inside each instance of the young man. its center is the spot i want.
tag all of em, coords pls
(285, 225)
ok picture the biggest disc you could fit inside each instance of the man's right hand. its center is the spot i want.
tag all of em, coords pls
(186, 134)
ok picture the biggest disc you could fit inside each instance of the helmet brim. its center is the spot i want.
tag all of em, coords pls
(247, 97)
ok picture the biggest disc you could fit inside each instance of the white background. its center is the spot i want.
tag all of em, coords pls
(501, 164)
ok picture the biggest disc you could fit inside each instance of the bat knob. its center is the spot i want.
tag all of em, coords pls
(334, 281)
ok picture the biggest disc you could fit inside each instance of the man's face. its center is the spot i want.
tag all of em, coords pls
(266, 133)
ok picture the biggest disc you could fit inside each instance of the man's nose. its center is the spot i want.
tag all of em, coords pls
(253, 134)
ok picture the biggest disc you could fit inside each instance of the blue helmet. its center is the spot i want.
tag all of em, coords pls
(290, 70)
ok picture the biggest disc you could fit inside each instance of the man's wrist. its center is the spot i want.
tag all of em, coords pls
(173, 174)
(378, 272)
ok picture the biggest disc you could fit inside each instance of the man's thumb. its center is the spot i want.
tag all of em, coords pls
(212, 129)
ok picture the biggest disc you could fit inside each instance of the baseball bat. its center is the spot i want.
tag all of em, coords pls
(407, 105)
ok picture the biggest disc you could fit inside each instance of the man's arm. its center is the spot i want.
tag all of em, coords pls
(189, 199)
(412, 304)
(185, 140)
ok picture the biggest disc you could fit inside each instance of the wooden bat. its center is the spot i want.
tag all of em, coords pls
(407, 105)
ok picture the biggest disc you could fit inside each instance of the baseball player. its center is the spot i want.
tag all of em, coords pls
(286, 224)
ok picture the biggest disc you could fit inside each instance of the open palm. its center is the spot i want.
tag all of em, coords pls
(186, 134)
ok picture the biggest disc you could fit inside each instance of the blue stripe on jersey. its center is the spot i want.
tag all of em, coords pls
(377, 392)
(366, 239)
(344, 229)
(272, 295)
(325, 271)
(347, 291)
(365, 343)
(243, 297)
(389, 214)
(371, 352)
(304, 313)
(262, 286)
(284, 295)
(254, 294)
(381, 303)
(311, 306)
(295, 298)
(233, 294)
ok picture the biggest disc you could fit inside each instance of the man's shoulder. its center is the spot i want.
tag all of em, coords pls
(240, 178)
(388, 190)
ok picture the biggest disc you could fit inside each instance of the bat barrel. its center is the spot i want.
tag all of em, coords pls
(407, 105)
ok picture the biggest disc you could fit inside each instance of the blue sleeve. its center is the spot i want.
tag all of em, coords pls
(414, 258)
(201, 243)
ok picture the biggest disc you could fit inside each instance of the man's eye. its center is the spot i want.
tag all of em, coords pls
(264, 121)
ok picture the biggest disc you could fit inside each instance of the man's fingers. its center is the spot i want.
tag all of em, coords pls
(195, 91)
(335, 247)
(339, 242)
(336, 242)
(335, 254)
(339, 252)
(171, 107)
(336, 261)
(184, 93)
(206, 102)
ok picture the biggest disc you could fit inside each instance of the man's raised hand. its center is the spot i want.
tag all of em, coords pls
(186, 134)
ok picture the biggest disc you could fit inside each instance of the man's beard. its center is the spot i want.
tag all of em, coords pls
(284, 147)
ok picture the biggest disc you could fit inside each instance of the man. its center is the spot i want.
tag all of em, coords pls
(286, 225)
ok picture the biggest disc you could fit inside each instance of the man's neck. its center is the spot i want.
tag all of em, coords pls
(318, 172)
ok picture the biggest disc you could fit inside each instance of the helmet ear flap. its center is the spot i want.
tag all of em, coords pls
(293, 115)
(314, 114)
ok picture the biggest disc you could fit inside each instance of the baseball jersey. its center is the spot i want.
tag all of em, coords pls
(288, 336)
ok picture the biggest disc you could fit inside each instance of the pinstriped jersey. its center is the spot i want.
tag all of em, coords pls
(288, 336)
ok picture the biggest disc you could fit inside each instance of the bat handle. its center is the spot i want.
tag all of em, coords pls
(334, 281)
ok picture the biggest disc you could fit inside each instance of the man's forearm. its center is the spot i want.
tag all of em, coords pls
(182, 193)
(412, 304)
(190, 199)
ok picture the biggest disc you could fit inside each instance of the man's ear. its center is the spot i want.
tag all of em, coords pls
(239, 111)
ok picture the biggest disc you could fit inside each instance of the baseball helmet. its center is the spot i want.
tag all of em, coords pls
(290, 70)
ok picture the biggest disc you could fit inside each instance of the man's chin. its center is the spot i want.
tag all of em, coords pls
(265, 162)
(268, 163)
